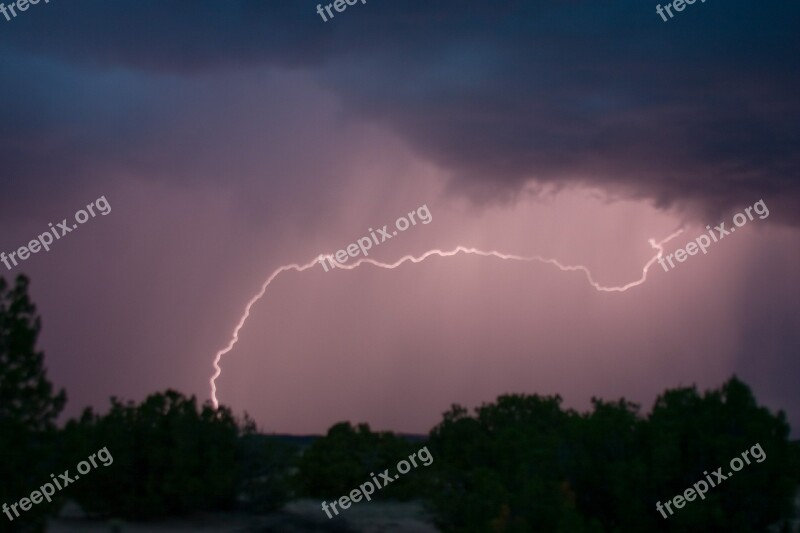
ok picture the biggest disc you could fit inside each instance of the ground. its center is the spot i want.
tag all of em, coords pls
(301, 516)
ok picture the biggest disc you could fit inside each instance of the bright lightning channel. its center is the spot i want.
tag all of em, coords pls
(659, 246)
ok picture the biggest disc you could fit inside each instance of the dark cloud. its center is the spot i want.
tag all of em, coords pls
(700, 112)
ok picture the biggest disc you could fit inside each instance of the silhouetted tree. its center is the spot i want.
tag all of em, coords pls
(608, 468)
(507, 468)
(523, 464)
(688, 433)
(28, 406)
(169, 457)
(344, 458)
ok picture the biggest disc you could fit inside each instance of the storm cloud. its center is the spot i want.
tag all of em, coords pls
(698, 114)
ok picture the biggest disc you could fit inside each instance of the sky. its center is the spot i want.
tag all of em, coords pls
(232, 138)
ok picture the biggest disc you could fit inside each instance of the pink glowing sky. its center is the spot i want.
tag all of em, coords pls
(219, 171)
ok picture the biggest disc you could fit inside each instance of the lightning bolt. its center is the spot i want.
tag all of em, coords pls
(658, 246)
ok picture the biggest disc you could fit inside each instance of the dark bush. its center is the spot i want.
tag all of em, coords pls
(343, 459)
(169, 457)
(524, 464)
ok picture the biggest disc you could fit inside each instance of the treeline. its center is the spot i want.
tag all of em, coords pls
(525, 464)
(522, 463)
